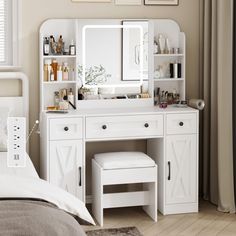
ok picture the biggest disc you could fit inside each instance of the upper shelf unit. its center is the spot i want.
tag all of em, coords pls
(70, 29)
(61, 59)
(169, 62)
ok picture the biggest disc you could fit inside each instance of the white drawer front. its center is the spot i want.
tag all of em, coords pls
(181, 123)
(66, 129)
(124, 126)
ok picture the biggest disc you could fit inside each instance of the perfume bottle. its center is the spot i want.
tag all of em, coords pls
(46, 46)
(65, 71)
(72, 48)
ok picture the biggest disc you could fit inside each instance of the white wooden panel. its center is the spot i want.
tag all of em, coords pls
(64, 129)
(181, 153)
(65, 161)
(124, 126)
(129, 199)
(126, 176)
(181, 123)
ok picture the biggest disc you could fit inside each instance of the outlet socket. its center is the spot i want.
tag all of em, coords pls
(16, 155)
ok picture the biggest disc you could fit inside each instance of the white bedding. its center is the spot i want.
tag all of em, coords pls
(27, 171)
(24, 187)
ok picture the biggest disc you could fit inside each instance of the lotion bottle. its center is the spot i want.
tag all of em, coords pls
(65, 72)
(167, 46)
(59, 73)
(161, 41)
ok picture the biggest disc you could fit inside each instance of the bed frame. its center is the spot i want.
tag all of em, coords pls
(18, 105)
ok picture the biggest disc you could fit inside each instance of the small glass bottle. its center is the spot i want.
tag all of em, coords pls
(52, 78)
(156, 48)
(59, 73)
(56, 99)
(72, 74)
(72, 48)
(65, 72)
(46, 46)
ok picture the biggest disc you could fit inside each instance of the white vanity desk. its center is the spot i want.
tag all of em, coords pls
(172, 141)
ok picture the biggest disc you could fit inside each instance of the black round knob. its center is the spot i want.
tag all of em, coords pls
(66, 129)
(104, 127)
(146, 125)
(181, 123)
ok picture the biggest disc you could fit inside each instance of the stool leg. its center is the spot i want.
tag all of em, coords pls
(151, 209)
(97, 192)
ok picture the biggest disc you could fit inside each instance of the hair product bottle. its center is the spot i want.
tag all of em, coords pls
(54, 68)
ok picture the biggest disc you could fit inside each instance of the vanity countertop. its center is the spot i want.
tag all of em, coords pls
(122, 111)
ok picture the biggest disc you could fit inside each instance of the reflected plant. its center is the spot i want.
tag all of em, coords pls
(95, 75)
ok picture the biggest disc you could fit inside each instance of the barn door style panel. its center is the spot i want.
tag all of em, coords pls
(181, 166)
(66, 165)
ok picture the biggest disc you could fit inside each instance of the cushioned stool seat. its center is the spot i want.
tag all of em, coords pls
(117, 168)
(123, 160)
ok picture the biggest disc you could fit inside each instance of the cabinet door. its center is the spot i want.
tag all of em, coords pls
(181, 169)
(66, 160)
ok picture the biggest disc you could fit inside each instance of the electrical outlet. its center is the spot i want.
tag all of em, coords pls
(16, 155)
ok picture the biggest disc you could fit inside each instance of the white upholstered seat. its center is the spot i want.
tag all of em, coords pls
(123, 160)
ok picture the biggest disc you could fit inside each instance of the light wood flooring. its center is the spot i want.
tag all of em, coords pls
(207, 222)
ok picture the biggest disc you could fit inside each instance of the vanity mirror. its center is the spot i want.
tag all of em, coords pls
(114, 59)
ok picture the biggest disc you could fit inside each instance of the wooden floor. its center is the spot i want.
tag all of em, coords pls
(207, 222)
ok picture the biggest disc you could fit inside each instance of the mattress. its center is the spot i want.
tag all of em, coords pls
(27, 171)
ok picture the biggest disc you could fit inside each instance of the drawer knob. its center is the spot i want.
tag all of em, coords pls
(66, 129)
(146, 125)
(181, 124)
(104, 127)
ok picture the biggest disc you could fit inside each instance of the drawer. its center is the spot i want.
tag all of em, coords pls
(124, 126)
(181, 123)
(66, 129)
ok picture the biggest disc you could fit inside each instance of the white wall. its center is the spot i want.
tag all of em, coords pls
(36, 11)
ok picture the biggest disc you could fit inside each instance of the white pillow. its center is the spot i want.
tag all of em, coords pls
(4, 113)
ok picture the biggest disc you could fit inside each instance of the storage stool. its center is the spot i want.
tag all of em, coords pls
(124, 168)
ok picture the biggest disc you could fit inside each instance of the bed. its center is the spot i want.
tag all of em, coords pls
(28, 204)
